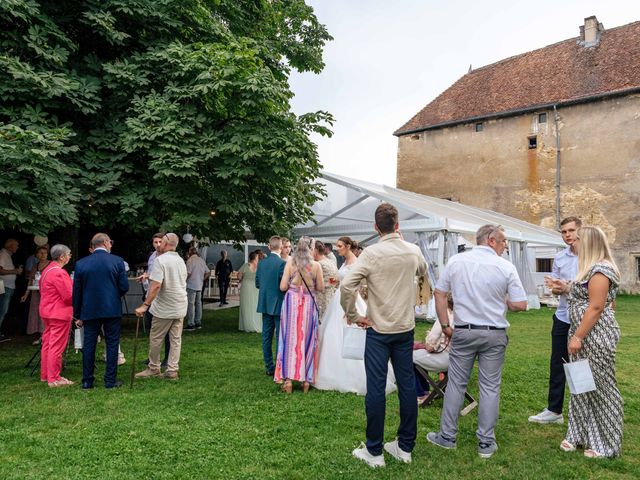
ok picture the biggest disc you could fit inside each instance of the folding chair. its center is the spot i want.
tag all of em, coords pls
(438, 388)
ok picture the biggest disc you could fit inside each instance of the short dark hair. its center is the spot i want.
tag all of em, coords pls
(193, 251)
(386, 217)
(576, 220)
(157, 235)
(253, 255)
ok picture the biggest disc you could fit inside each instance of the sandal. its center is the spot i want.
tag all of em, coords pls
(589, 453)
(61, 382)
(565, 446)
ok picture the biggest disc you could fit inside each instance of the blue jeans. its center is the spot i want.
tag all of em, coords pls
(379, 349)
(194, 307)
(269, 324)
(111, 327)
(5, 300)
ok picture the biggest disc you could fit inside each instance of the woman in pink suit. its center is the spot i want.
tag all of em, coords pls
(56, 311)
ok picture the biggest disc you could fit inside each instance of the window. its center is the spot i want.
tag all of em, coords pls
(533, 142)
(479, 127)
(415, 136)
(544, 265)
(542, 118)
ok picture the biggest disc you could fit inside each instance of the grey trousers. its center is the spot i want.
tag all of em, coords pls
(488, 346)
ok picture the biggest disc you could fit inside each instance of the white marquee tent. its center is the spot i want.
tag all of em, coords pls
(438, 226)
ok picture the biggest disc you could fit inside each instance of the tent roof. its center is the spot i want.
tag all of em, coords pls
(349, 206)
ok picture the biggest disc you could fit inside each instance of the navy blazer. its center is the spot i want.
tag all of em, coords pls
(268, 276)
(99, 281)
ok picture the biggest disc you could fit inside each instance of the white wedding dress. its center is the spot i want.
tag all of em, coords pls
(334, 372)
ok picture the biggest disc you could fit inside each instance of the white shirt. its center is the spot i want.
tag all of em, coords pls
(197, 269)
(332, 257)
(565, 267)
(480, 281)
(171, 272)
(7, 263)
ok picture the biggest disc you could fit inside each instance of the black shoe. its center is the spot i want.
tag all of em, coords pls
(190, 328)
(3, 338)
(118, 384)
(87, 386)
(269, 373)
(225, 303)
(198, 327)
(220, 304)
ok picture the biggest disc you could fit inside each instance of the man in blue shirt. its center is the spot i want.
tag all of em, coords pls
(565, 267)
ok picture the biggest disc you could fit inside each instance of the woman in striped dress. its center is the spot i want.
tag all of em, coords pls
(297, 343)
(596, 417)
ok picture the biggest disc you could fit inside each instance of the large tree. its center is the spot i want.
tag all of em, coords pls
(157, 112)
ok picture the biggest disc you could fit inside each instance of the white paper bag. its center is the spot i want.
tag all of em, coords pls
(353, 341)
(579, 377)
(78, 338)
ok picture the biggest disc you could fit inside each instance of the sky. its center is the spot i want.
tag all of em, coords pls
(389, 59)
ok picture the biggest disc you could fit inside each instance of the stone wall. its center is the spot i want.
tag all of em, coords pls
(495, 169)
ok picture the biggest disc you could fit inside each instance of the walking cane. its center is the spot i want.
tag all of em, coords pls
(135, 350)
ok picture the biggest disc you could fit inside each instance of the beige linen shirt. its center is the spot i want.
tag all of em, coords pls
(171, 272)
(390, 268)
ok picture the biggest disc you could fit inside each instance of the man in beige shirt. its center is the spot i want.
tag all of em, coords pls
(167, 301)
(390, 268)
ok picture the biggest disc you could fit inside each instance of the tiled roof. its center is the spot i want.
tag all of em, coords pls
(559, 73)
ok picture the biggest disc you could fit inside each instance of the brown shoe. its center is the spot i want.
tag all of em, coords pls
(171, 375)
(148, 373)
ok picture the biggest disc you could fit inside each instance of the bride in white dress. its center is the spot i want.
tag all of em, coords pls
(335, 372)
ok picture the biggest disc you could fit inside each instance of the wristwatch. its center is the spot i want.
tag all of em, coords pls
(444, 325)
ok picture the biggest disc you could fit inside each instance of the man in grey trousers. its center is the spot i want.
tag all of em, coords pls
(483, 285)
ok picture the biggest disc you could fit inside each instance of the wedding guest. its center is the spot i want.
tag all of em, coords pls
(565, 267)
(8, 274)
(596, 417)
(100, 280)
(167, 301)
(261, 255)
(484, 285)
(268, 276)
(433, 354)
(329, 277)
(357, 250)
(328, 252)
(250, 320)
(56, 311)
(34, 322)
(197, 273)
(223, 272)
(285, 252)
(390, 268)
(297, 343)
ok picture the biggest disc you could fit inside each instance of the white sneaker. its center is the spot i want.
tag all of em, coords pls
(396, 452)
(547, 416)
(372, 460)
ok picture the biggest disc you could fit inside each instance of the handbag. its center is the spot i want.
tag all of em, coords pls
(579, 377)
(354, 340)
(78, 338)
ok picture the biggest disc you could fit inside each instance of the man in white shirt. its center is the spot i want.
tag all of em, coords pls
(167, 301)
(8, 273)
(328, 252)
(197, 272)
(565, 267)
(483, 286)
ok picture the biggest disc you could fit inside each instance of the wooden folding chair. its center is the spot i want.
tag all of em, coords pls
(438, 387)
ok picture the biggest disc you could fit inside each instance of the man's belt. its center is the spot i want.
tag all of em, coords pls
(468, 326)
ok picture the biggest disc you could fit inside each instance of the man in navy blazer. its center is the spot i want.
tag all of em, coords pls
(99, 282)
(268, 276)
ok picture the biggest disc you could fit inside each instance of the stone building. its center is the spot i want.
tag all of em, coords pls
(540, 136)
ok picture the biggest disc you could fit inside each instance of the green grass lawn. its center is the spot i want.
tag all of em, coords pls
(226, 419)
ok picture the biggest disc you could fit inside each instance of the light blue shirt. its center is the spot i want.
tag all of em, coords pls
(480, 281)
(565, 267)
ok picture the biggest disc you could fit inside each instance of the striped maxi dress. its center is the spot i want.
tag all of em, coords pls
(297, 357)
(596, 418)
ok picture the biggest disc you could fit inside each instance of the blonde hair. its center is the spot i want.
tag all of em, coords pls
(593, 248)
(303, 256)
